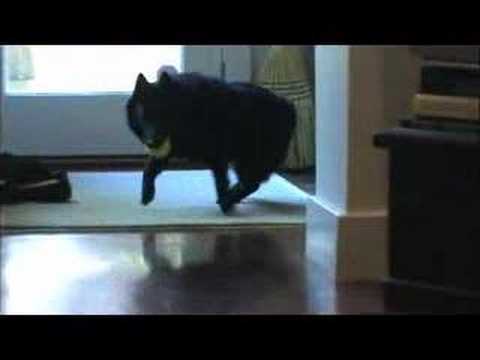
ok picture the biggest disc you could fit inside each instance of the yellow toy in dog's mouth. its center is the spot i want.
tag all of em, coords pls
(161, 151)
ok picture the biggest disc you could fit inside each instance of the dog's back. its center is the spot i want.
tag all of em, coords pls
(248, 125)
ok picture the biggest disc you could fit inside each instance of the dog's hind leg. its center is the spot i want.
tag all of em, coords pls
(222, 183)
(236, 194)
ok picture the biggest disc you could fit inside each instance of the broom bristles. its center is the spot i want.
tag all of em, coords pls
(285, 73)
(302, 150)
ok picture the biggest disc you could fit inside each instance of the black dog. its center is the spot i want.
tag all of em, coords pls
(215, 122)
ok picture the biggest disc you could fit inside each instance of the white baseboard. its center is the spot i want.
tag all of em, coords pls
(351, 246)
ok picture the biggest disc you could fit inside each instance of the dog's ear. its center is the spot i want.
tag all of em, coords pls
(169, 69)
(164, 79)
(141, 86)
(165, 74)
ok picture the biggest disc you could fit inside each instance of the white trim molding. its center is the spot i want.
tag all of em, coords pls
(350, 246)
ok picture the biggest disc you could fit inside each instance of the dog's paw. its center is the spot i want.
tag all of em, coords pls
(225, 205)
(148, 194)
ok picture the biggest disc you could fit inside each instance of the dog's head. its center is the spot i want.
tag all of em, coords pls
(151, 110)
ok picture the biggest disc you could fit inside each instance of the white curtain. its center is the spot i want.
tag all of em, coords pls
(19, 63)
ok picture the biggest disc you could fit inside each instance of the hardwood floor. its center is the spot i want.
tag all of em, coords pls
(245, 271)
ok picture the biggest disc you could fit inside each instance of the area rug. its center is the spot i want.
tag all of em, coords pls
(111, 200)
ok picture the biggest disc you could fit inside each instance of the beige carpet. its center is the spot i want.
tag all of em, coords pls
(184, 198)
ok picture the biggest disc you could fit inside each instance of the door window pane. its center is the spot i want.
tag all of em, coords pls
(85, 69)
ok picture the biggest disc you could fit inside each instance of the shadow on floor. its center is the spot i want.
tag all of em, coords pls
(251, 274)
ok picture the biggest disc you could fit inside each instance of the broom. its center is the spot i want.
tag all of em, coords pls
(285, 73)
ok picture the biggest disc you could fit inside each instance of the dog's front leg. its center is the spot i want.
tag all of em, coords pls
(153, 168)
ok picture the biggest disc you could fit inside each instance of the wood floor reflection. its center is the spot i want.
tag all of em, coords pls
(226, 271)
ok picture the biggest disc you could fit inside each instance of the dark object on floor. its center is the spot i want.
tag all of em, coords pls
(23, 180)
(217, 123)
(434, 204)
